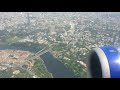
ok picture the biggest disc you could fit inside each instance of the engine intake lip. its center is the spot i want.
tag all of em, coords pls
(100, 68)
(113, 57)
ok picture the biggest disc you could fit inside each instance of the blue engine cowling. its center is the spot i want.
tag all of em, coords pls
(104, 62)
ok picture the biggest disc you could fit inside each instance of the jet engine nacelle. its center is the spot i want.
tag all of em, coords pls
(104, 62)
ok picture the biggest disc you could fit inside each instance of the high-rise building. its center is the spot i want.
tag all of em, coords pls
(72, 28)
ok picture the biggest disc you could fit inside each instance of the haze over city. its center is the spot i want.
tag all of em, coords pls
(53, 44)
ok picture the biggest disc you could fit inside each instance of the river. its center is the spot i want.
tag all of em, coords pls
(53, 65)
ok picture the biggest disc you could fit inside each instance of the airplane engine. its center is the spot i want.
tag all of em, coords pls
(104, 62)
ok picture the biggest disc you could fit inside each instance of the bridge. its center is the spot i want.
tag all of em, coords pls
(39, 53)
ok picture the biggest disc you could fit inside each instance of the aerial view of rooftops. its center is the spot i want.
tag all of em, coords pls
(53, 44)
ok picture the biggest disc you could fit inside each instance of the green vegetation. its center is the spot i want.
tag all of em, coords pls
(77, 68)
(6, 73)
(40, 70)
(65, 51)
(23, 74)
(11, 39)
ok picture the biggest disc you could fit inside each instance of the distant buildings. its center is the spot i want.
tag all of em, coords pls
(10, 56)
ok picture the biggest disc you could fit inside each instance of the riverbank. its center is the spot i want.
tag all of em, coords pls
(53, 65)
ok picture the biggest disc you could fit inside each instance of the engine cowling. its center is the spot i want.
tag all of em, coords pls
(104, 62)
